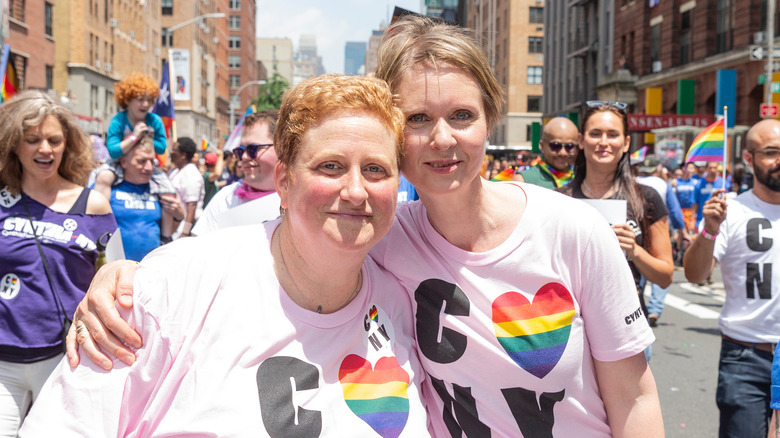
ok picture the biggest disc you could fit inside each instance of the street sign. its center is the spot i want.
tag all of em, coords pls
(776, 87)
(769, 110)
(758, 53)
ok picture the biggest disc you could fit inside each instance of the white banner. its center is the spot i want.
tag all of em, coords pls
(181, 72)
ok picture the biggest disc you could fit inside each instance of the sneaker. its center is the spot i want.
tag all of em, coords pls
(652, 319)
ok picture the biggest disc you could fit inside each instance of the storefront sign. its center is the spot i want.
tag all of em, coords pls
(647, 122)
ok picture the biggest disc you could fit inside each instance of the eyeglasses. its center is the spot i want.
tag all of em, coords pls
(622, 106)
(771, 154)
(251, 150)
(556, 146)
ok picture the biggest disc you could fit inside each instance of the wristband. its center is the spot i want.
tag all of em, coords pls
(709, 236)
(133, 138)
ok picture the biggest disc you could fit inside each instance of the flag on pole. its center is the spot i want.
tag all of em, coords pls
(204, 143)
(708, 145)
(10, 84)
(505, 175)
(164, 105)
(235, 136)
(639, 155)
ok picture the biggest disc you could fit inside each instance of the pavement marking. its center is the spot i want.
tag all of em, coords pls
(690, 308)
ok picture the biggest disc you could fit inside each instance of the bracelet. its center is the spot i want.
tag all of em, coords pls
(133, 138)
(709, 236)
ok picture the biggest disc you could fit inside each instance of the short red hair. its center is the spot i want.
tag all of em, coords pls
(134, 85)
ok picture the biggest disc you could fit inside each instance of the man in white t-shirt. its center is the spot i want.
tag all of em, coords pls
(188, 181)
(253, 199)
(743, 243)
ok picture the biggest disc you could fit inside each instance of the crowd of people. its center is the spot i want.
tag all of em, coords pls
(335, 307)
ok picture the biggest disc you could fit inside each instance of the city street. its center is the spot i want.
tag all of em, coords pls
(685, 357)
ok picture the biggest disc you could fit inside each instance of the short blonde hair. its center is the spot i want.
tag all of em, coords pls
(29, 109)
(414, 40)
(305, 105)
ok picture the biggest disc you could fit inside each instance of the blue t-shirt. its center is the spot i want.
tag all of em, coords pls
(705, 193)
(406, 191)
(138, 215)
(686, 191)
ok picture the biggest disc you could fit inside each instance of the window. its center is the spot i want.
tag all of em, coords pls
(93, 100)
(234, 42)
(536, 15)
(47, 19)
(685, 38)
(234, 61)
(534, 75)
(722, 42)
(49, 77)
(166, 36)
(167, 7)
(235, 22)
(235, 5)
(534, 104)
(655, 44)
(16, 9)
(534, 44)
(235, 81)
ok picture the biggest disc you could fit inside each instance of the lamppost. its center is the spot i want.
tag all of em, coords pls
(235, 98)
(169, 31)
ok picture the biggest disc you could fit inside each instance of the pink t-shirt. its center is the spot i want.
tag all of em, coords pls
(508, 336)
(226, 353)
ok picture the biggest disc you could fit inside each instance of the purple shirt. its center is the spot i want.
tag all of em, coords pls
(30, 322)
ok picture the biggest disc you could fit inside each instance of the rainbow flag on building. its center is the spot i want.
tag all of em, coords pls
(708, 145)
(10, 83)
(505, 175)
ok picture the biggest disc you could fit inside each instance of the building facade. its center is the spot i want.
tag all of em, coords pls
(355, 58)
(242, 53)
(276, 56)
(307, 63)
(578, 53)
(512, 35)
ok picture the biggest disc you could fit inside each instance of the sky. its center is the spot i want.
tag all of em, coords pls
(333, 22)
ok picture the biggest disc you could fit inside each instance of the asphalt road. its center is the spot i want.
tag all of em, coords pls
(685, 357)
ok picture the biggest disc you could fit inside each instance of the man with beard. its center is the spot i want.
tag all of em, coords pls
(253, 199)
(558, 146)
(743, 242)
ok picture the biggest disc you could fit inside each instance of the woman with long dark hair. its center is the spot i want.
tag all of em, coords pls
(602, 171)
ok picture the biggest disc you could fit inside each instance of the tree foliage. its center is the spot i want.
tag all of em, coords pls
(270, 95)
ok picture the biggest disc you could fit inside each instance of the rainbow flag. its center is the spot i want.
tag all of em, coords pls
(204, 144)
(639, 155)
(708, 145)
(235, 136)
(505, 175)
(10, 83)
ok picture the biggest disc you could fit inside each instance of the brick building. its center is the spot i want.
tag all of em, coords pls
(31, 35)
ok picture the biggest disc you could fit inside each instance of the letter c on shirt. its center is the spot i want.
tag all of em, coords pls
(277, 379)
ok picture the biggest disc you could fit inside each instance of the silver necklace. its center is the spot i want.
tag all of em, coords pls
(300, 291)
(593, 195)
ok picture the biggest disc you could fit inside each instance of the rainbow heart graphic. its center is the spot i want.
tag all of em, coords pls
(534, 334)
(377, 395)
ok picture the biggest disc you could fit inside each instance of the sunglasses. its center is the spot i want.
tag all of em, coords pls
(251, 150)
(556, 146)
(622, 106)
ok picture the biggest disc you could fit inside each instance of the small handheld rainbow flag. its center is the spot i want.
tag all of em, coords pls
(10, 81)
(639, 155)
(708, 145)
(204, 144)
(505, 175)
